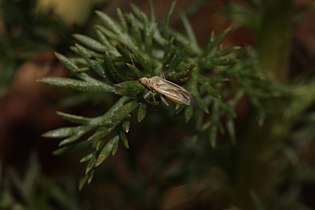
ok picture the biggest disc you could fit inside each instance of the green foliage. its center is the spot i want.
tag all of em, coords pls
(245, 16)
(27, 33)
(24, 35)
(34, 191)
(134, 46)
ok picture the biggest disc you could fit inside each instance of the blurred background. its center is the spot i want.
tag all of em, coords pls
(31, 177)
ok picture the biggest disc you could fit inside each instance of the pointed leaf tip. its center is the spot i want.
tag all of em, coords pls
(105, 152)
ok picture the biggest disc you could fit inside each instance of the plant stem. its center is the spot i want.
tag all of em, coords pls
(260, 143)
(274, 39)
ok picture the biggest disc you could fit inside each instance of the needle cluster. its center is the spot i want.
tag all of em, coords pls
(135, 45)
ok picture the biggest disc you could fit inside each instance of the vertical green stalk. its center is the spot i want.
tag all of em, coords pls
(258, 143)
(274, 37)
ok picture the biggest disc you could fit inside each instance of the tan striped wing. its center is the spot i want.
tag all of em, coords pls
(171, 91)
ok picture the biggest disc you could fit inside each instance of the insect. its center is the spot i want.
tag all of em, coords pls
(170, 90)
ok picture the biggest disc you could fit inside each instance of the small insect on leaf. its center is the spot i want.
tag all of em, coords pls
(170, 90)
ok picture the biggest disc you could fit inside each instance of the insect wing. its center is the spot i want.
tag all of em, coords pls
(173, 91)
(177, 97)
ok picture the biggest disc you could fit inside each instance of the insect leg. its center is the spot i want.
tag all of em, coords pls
(163, 99)
(154, 101)
(147, 95)
(162, 75)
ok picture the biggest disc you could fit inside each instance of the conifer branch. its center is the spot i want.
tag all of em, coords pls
(135, 46)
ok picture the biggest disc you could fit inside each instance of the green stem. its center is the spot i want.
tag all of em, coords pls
(259, 143)
(274, 38)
